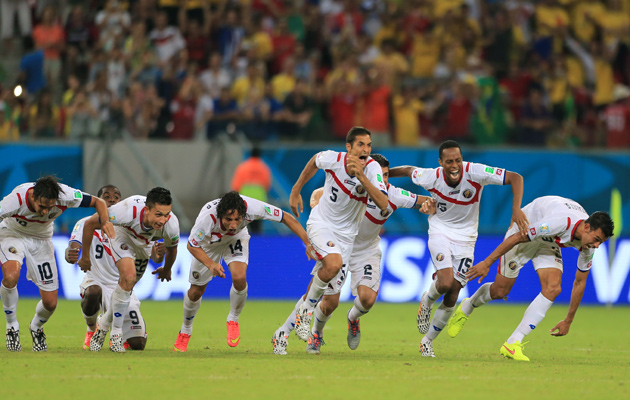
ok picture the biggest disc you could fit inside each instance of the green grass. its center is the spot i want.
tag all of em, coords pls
(591, 362)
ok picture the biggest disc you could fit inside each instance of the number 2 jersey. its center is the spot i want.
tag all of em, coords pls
(343, 204)
(103, 269)
(16, 215)
(208, 228)
(457, 214)
(127, 218)
(555, 219)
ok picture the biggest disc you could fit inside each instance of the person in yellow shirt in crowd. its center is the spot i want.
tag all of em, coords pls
(8, 131)
(585, 17)
(552, 22)
(392, 63)
(284, 82)
(250, 85)
(425, 55)
(260, 40)
(408, 108)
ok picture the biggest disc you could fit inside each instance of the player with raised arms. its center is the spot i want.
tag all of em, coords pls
(556, 222)
(26, 230)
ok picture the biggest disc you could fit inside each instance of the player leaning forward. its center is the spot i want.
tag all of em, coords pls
(139, 221)
(332, 226)
(555, 222)
(26, 230)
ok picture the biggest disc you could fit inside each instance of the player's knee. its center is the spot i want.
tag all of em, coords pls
(329, 306)
(498, 292)
(91, 303)
(137, 343)
(552, 291)
(49, 304)
(367, 301)
(444, 285)
(195, 292)
(240, 283)
(127, 281)
(10, 279)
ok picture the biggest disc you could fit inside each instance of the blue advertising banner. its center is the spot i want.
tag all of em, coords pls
(278, 269)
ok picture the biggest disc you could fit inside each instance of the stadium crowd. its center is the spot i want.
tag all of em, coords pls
(549, 73)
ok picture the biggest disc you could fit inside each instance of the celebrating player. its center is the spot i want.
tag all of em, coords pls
(220, 231)
(351, 179)
(456, 186)
(139, 221)
(26, 230)
(364, 268)
(101, 280)
(555, 222)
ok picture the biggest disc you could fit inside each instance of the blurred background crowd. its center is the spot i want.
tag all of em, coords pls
(546, 73)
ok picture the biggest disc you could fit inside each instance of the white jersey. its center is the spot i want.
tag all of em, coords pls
(208, 228)
(555, 219)
(127, 218)
(103, 269)
(372, 224)
(16, 215)
(457, 214)
(344, 201)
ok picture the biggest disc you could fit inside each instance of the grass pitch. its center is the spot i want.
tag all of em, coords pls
(593, 361)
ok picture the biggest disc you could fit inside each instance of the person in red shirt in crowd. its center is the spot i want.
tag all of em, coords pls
(617, 118)
(183, 108)
(373, 110)
(50, 36)
(516, 83)
(349, 20)
(460, 109)
(342, 108)
(197, 36)
(283, 45)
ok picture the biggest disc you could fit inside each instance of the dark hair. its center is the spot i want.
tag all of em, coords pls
(159, 195)
(104, 188)
(231, 201)
(601, 219)
(381, 159)
(256, 152)
(449, 144)
(47, 187)
(356, 131)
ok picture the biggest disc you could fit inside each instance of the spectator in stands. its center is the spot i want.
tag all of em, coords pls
(284, 82)
(113, 24)
(373, 107)
(78, 29)
(215, 78)
(283, 45)
(49, 36)
(297, 112)
(8, 131)
(44, 117)
(252, 178)
(32, 69)
(82, 119)
(167, 40)
(197, 35)
(229, 38)
(183, 109)
(536, 120)
(617, 119)
(226, 112)
(136, 45)
(251, 85)
(8, 9)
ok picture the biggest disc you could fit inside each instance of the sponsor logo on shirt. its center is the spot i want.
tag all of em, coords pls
(468, 193)
(532, 231)
(453, 192)
(499, 171)
(330, 244)
(490, 170)
(78, 194)
(512, 265)
(276, 212)
(200, 234)
(590, 264)
(440, 257)
(349, 182)
(415, 174)
(194, 242)
(405, 193)
(378, 178)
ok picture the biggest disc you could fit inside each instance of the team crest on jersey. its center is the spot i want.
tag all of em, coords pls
(360, 189)
(384, 213)
(512, 265)
(12, 250)
(195, 274)
(468, 193)
(440, 257)
(124, 246)
(330, 244)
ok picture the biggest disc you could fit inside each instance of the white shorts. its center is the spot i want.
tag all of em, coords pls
(133, 324)
(40, 258)
(365, 269)
(230, 248)
(447, 253)
(140, 255)
(542, 254)
(325, 241)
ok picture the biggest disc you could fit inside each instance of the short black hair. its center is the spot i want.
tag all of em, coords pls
(104, 188)
(256, 152)
(159, 195)
(381, 159)
(231, 201)
(47, 187)
(601, 219)
(356, 131)
(449, 144)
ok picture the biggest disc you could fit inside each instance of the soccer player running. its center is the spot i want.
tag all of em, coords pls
(364, 267)
(556, 222)
(220, 231)
(26, 230)
(139, 221)
(101, 280)
(456, 186)
(352, 178)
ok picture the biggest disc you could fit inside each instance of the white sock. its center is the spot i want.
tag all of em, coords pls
(357, 310)
(432, 295)
(90, 321)
(190, 310)
(319, 320)
(41, 316)
(440, 318)
(9, 302)
(315, 292)
(478, 299)
(120, 303)
(237, 302)
(533, 316)
(289, 324)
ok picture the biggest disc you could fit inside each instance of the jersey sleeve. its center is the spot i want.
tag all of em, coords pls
(121, 214)
(9, 205)
(77, 232)
(547, 230)
(203, 225)
(326, 159)
(260, 210)
(402, 198)
(374, 173)
(585, 260)
(486, 175)
(73, 198)
(171, 232)
(424, 177)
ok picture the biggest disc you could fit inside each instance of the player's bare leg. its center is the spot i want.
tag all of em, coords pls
(364, 301)
(192, 303)
(238, 296)
(9, 294)
(90, 306)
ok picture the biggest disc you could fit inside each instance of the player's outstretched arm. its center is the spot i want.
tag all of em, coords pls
(157, 252)
(293, 224)
(89, 226)
(481, 269)
(295, 199)
(516, 182)
(164, 273)
(402, 171)
(101, 209)
(203, 258)
(426, 205)
(576, 298)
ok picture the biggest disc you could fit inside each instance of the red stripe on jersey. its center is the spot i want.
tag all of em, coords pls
(568, 223)
(338, 157)
(374, 220)
(134, 212)
(107, 250)
(29, 220)
(458, 202)
(213, 218)
(394, 206)
(345, 189)
(467, 166)
(138, 236)
(62, 208)
(216, 234)
(574, 228)
(19, 198)
(368, 163)
(499, 267)
(437, 173)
